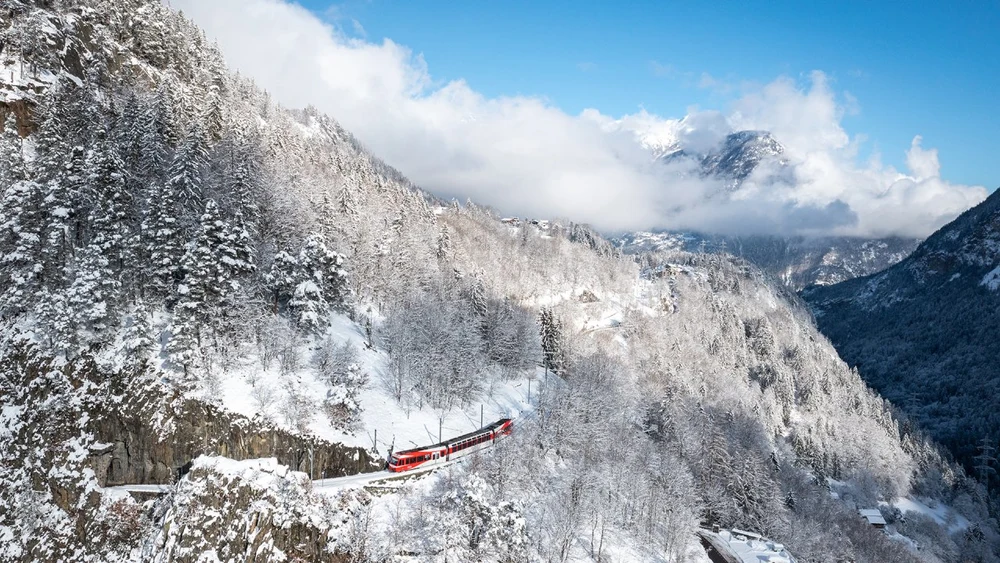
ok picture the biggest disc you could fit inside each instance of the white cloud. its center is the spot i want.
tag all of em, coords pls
(526, 157)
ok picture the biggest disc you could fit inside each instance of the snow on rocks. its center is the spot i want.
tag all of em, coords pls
(992, 279)
(232, 509)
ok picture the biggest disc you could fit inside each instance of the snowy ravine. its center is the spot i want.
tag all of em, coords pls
(203, 290)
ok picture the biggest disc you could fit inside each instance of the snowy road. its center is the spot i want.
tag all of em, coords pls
(349, 481)
(362, 479)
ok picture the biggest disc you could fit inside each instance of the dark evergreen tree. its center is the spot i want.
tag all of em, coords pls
(21, 219)
(62, 221)
(163, 115)
(321, 284)
(154, 142)
(551, 333)
(185, 174)
(212, 116)
(110, 231)
(281, 279)
(163, 240)
(213, 266)
(93, 296)
(12, 168)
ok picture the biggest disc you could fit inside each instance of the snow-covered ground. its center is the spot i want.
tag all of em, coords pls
(941, 513)
(251, 390)
(992, 279)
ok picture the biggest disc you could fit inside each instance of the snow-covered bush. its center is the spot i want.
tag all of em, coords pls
(123, 525)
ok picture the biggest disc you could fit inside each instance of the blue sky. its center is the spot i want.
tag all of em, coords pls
(550, 110)
(924, 68)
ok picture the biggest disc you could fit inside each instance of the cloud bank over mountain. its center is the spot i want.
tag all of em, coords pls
(526, 157)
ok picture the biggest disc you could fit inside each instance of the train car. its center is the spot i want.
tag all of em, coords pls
(454, 448)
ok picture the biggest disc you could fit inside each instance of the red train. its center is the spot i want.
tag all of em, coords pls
(455, 448)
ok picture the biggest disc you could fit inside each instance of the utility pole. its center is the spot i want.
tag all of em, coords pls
(440, 422)
(480, 415)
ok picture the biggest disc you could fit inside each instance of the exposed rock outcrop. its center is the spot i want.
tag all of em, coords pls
(253, 511)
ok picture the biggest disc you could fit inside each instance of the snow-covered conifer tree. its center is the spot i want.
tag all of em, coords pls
(21, 219)
(212, 115)
(281, 278)
(153, 138)
(511, 336)
(106, 180)
(208, 281)
(163, 239)
(551, 334)
(163, 114)
(319, 283)
(444, 243)
(68, 203)
(12, 167)
(184, 176)
(93, 295)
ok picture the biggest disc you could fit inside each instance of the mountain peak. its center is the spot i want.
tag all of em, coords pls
(741, 153)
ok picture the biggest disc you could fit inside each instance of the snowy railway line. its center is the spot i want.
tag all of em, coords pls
(455, 455)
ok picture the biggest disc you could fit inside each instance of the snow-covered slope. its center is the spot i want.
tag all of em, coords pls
(924, 331)
(193, 275)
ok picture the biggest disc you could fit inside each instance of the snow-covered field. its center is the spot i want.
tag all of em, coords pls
(941, 513)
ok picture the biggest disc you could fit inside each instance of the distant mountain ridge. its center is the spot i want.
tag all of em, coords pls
(797, 261)
(925, 331)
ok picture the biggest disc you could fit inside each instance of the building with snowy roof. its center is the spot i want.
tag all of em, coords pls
(873, 516)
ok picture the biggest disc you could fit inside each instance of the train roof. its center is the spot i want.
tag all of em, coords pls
(466, 436)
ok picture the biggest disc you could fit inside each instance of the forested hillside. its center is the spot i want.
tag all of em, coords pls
(171, 234)
(923, 332)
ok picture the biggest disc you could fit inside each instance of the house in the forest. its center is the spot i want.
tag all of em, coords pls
(873, 516)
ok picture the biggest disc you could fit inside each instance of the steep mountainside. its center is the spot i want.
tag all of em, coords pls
(924, 332)
(193, 277)
(799, 262)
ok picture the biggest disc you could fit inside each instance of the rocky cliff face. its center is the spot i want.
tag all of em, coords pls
(159, 449)
(67, 430)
